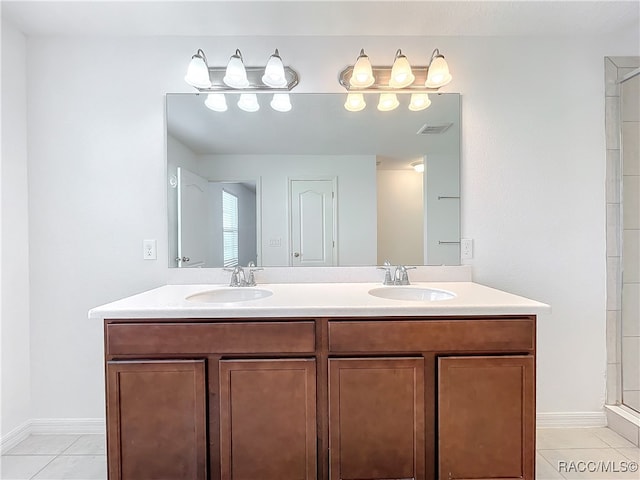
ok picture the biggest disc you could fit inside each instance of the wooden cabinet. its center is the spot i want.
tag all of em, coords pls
(268, 419)
(156, 420)
(486, 417)
(376, 418)
(321, 398)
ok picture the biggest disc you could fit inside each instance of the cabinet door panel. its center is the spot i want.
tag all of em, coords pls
(376, 418)
(268, 419)
(486, 418)
(157, 420)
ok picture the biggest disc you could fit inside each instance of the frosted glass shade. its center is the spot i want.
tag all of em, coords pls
(274, 72)
(216, 102)
(249, 102)
(236, 75)
(401, 75)
(419, 101)
(362, 75)
(355, 102)
(388, 102)
(198, 73)
(438, 74)
(281, 102)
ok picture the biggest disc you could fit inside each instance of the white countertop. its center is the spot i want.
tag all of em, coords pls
(319, 300)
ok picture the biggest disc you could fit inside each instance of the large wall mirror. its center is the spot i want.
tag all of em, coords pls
(315, 186)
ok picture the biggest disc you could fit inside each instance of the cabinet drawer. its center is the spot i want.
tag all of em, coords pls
(511, 335)
(202, 338)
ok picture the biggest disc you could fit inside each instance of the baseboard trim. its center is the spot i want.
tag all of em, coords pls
(571, 419)
(81, 426)
(51, 426)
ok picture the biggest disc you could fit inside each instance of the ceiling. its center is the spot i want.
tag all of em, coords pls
(324, 17)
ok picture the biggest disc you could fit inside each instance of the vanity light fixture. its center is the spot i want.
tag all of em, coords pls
(236, 76)
(398, 78)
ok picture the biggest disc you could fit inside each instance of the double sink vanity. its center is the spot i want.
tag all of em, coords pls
(339, 381)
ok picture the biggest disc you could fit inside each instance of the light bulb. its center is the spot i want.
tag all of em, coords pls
(401, 75)
(388, 102)
(216, 102)
(274, 72)
(418, 167)
(362, 75)
(438, 73)
(198, 71)
(249, 102)
(419, 101)
(355, 102)
(236, 75)
(281, 102)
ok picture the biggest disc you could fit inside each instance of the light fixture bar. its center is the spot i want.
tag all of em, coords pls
(254, 75)
(382, 75)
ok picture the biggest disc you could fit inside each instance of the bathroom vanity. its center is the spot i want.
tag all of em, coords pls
(320, 381)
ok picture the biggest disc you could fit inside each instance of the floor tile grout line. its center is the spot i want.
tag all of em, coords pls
(551, 465)
(43, 467)
(72, 444)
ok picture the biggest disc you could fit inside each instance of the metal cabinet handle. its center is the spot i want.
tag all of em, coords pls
(296, 254)
(183, 259)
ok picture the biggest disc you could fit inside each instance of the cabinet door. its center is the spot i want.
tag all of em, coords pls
(376, 418)
(486, 417)
(156, 420)
(268, 419)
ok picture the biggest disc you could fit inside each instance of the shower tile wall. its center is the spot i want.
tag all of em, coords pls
(630, 151)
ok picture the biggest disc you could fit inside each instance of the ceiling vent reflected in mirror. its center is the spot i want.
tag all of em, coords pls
(433, 129)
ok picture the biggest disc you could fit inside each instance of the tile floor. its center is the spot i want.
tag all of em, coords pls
(576, 453)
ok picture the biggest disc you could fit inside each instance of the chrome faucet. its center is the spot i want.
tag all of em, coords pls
(400, 275)
(238, 278)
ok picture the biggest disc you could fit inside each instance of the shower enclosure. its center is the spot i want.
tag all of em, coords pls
(622, 104)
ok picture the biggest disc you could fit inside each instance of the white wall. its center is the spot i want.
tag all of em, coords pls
(533, 174)
(400, 217)
(15, 361)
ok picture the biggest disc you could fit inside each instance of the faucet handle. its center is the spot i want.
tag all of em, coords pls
(251, 281)
(402, 276)
(386, 266)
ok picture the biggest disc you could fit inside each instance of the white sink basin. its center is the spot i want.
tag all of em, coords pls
(230, 295)
(414, 294)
